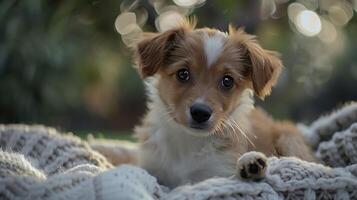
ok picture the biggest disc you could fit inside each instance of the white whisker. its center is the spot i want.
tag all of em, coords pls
(242, 131)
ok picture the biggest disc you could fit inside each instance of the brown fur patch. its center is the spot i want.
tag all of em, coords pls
(265, 65)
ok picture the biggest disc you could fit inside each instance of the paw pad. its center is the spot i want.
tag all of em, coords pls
(252, 166)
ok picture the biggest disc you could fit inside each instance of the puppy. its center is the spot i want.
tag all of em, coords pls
(201, 117)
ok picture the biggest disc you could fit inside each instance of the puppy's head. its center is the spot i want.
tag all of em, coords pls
(201, 73)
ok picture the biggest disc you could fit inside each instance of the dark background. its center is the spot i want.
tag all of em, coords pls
(63, 63)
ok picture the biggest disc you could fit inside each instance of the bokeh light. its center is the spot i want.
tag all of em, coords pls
(133, 37)
(168, 20)
(340, 13)
(185, 3)
(293, 11)
(142, 16)
(268, 8)
(328, 32)
(127, 26)
(128, 5)
(308, 23)
(189, 3)
(125, 22)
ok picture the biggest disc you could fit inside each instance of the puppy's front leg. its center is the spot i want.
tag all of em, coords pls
(252, 166)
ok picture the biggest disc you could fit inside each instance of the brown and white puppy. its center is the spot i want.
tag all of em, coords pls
(201, 117)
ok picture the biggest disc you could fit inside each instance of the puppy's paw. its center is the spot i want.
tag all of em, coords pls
(252, 166)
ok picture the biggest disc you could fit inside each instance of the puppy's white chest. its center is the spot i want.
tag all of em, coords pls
(178, 158)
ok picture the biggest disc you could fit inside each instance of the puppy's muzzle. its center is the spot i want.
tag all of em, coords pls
(200, 114)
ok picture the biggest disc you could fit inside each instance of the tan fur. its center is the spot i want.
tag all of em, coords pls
(178, 154)
(277, 138)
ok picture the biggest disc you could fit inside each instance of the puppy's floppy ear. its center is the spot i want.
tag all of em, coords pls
(265, 66)
(153, 51)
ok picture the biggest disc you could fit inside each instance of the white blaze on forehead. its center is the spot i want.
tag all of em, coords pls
(213, 46)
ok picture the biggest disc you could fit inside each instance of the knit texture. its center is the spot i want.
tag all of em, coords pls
(38, 162)
(47, 149)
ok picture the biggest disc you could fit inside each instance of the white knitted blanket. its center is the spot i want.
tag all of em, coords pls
(37, 162)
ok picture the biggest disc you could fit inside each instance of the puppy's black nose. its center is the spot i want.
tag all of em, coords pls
(200, 112)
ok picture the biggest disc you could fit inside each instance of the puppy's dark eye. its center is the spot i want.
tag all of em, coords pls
(183, 75)
(227, 82)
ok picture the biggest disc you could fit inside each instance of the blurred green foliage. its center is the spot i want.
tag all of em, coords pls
(59, 60)
(63, 64)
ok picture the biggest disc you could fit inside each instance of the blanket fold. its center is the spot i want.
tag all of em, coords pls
(38, 162)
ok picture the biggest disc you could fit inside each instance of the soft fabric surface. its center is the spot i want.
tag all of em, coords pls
(37, 162)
